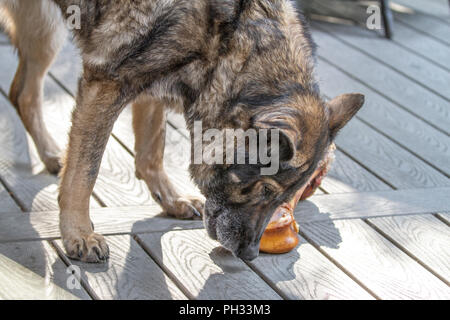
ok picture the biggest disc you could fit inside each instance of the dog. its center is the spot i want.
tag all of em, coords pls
(242, 64)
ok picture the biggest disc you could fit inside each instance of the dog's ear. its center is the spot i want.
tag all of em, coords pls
(342, 109)
(286, 121)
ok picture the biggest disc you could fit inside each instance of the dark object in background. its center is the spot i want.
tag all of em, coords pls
(354, 11)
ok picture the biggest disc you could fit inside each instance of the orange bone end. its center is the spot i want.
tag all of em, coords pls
(281, 234)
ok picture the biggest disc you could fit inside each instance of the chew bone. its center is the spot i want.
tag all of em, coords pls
(281, 234)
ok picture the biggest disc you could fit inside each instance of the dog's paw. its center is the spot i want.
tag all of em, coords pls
(187, 208)
(90, 247)
(52, 164)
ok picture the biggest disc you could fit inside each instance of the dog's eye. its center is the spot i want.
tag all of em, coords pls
(267, 191)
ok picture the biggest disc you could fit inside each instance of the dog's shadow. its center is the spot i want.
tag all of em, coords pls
(36, 257)
(284, 267)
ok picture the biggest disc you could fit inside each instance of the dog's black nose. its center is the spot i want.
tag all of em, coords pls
(249, 253)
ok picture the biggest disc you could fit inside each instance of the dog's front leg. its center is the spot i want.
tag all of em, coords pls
(98, 106)
(149, 124)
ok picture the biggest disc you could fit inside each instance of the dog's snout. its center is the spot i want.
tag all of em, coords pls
(248, 253)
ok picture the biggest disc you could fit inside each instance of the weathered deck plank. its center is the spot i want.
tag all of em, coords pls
(129, 274)
(373, 260)
(44, 225)
(433, 28)
(108, 221)
(7, 203)
(427, 47)
(348, 176)
(405, 92)
(33, 270)
(388, 53)
(423, 236)
(205, 270)
(386, 159)
(20, 169)
(397, 124)
(304, 273)
(373, 204)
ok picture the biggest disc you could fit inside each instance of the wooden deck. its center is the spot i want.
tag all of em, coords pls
(377, 229)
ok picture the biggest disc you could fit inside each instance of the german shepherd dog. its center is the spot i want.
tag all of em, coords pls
(228, 63)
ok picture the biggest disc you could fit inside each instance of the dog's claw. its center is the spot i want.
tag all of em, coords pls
(80, 251)
(90, 248)
(157, 197)
(194, 209)
(101, 256)
(186, 208)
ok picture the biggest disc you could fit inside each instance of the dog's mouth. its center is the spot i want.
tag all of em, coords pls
(281, 216)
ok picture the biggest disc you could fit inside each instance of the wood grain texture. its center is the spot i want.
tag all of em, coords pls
(304, 273)
(177, 152)
(20, 167)
(397, 124)
(374, 261)
(423, 236)
(373, 204)
(44, 225)
(7, 203)
(206, 270)
(402, 60)
(33, 270)
(129, 274)
(425, 24)
(400, 168)
(421, 44)
(348, 176)
(383, 79)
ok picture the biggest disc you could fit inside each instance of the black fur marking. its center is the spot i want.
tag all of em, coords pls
(189, 94)
(228, 28)
(161, 26)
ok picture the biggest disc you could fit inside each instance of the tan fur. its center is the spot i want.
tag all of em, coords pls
(38, 37)
(149, 124)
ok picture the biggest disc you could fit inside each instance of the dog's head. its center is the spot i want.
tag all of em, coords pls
(240, 198)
